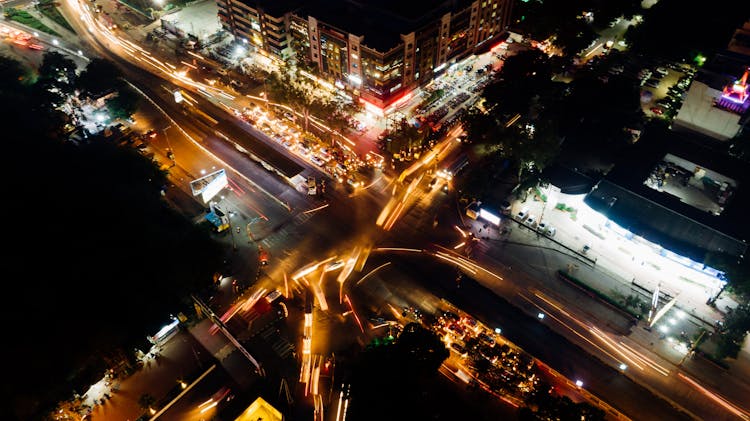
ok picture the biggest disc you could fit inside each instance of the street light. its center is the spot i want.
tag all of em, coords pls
(170, 151)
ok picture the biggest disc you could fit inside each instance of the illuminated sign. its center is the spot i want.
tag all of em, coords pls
(489, 217)
(210, 185)
(739, 91)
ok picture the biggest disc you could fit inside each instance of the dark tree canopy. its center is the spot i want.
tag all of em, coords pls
(395, 375)
(595, 113)
(97, 260)
(101, 76)
(124, 104)
(524, 77)
(672, 30)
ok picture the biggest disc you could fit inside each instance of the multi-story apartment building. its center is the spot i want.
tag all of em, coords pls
(380, 50)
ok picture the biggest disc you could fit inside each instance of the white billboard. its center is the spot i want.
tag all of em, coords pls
(210, 185)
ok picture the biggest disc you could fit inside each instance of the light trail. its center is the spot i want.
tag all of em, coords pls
(624, 351)
(318, 291)
(462, 232)
(395, 216)
(373, 183)
(570, 328)
(716, 398)
(384, 213)
(396, 312)
(468, 262)
(512, 120)
(663, 371)
(612, 345)
(593, 49)
(372, 271)
(310, 268)
(359, 323)
(456, 262)
(459, 245)
(397, 249)
(338, 406)
(317, 209)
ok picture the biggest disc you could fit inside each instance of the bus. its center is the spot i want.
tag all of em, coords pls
(454, 167)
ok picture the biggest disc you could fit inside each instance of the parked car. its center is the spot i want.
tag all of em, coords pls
(523, 214)
(531, 221)
(458, 347)
(317, 161)
(657, 110)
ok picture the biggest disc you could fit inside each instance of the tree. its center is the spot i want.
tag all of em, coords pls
(100, 77)
(573, 37)
(109, 216)
(124, 104)
(525, 78)
(606, 11)
(732, 334)
(337, 116)
(736, 272)
(58, 71)
(413, 358)
(595, 113)
(12, 74)
(285, 87)
(406, 138)
(656, 37)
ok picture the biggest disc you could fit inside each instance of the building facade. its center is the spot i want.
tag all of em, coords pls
(379, 51)
(262, 27)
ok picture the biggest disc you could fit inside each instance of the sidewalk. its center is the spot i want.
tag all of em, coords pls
(536, 259)
(181, 358)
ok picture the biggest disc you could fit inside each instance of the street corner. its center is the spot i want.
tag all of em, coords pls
(258, 229)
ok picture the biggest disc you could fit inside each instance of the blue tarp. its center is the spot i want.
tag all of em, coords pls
(214, 219)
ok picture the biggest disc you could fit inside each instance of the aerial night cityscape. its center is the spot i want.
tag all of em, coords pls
(355, 210)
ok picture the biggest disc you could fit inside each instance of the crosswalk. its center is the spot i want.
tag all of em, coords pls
(280, 345)
(289, 229)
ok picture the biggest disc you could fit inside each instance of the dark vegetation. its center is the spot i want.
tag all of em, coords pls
(95, 258)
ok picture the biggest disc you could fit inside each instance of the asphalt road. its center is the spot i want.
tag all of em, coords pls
(295, 238)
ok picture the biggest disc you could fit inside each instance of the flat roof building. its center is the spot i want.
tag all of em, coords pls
(677, 193)
(378, 50)
(716, 103)
(260, 410)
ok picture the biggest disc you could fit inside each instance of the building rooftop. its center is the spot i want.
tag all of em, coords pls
(275, 8)
(379, 21)
(700, 114)
(701, 188)
(693, 191)
(260, 410)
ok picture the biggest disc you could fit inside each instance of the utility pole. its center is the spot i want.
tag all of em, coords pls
(692, 348)
(170, 151)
